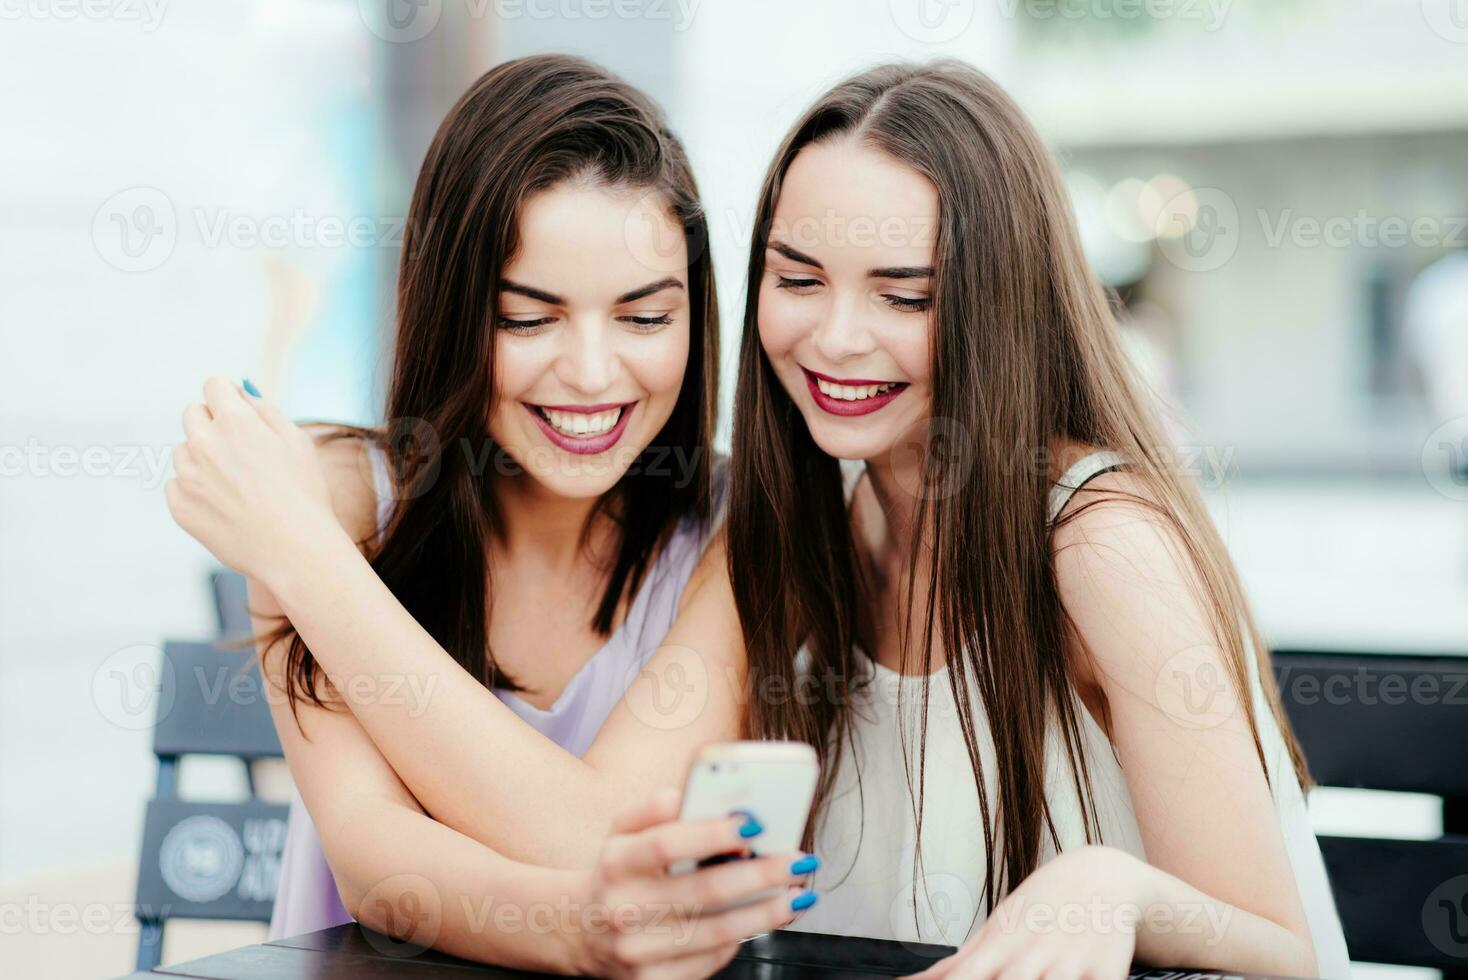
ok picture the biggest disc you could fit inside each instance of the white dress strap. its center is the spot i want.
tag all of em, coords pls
(1079, 474)
(851, 472)
(381, 484)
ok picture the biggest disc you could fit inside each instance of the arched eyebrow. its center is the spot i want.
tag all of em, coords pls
(890, 272)
(795, 256)
(642, 292)
(551, 299)
(902, 272)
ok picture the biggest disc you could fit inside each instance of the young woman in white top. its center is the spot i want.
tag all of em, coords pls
(1049, 728)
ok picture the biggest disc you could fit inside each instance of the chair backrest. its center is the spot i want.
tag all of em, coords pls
(1397, 723)
(231, 603)
(207, 860)
(217, 705)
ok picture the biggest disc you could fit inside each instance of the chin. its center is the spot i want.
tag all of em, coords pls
(579, 478)
(571, 476)
(849, 440)
(589, 483)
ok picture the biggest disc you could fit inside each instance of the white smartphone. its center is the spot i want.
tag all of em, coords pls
(772, 781)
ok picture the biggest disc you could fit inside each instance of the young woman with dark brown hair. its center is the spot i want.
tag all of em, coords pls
(1049, 726)
(456, 604)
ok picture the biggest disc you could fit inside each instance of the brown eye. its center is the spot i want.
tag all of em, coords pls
(908, 304)
(648, 324)
(522, 326)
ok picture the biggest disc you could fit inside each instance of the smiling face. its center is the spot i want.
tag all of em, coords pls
(592, 339)
(845, 296)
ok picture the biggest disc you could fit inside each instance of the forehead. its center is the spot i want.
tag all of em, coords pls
(847, 195)
(581, 240)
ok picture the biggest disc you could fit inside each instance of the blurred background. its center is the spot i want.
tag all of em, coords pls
(1277, 189)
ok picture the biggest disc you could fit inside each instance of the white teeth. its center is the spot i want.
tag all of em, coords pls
(852, 393)
(580, 424)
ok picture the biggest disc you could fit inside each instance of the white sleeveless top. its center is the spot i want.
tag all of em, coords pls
(866, 839)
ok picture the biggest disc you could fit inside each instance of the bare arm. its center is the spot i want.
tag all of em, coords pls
(267, 501)
(468, 758)
(396, 869)
(404, 874)
(1203, 805)
(1216, 890)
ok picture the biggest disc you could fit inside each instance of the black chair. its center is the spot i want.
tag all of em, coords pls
(231, 604)
(232, 611)
(207, 860)
(1396, 723)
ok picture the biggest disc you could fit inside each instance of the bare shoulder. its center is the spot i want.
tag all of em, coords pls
(1125, 573)
(347, 469)
(711, 574)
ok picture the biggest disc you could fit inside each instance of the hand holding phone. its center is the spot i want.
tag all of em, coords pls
(685, 925)
(770, 784)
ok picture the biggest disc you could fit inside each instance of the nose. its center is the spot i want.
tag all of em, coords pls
(842, 333)
(587, 362)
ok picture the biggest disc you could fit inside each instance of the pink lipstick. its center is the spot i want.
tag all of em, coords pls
(588, 445)
(849, 407)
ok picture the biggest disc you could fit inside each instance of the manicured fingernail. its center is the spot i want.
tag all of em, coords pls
(250, 389)
(751, 827)
(805, 865)
(802, 901)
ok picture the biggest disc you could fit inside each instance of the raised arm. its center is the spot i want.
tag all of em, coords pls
(468, 758)
(260, 497)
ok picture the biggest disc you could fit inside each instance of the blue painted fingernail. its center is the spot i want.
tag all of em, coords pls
(751, 827)
(805, 865)
(250, 389)
(802, 901)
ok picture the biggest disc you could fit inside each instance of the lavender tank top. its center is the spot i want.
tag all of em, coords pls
(306, 899)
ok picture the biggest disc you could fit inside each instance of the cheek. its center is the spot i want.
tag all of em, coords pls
(517, 366)
(781, 324)
(660, 361)
(910, 346)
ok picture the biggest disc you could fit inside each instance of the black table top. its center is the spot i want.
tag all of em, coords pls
(350, 952)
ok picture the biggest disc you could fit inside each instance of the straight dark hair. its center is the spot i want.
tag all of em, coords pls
(524, 127)
(1025, 356)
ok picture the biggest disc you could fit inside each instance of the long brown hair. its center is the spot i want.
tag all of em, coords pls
(1025, 355)
(523, 127)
